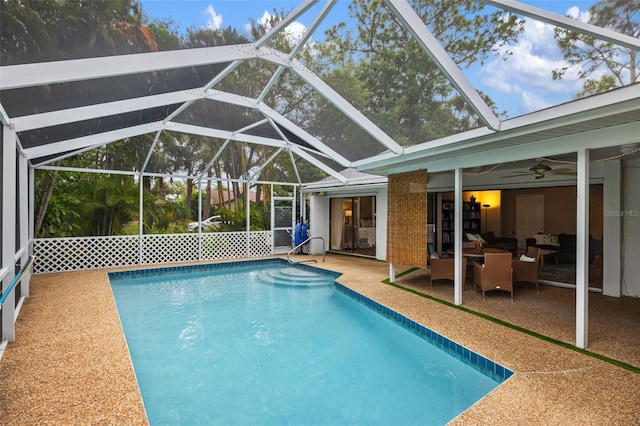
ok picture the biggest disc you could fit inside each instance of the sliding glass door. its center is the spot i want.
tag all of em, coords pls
(353, 225)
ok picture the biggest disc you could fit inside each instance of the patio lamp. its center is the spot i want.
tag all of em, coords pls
(486, 217)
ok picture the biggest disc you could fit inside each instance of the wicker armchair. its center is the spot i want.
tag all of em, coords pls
(441, 269)
(495, 274)
(527, 271)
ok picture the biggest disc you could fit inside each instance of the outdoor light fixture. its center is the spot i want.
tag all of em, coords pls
(629, 148)
(486, 217)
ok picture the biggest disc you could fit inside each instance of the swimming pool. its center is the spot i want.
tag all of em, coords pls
(246, 343)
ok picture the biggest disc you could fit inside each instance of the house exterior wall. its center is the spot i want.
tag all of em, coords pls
(319, 222)
(319, 216)
(630, 229)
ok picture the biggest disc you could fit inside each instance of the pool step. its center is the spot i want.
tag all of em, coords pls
(293, 277)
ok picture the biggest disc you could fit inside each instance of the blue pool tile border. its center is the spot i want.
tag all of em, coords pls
(486, 366)
(150, 272)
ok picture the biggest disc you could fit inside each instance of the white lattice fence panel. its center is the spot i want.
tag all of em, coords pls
(169, 248)
(260, 244)
(71, 254)
(224, 245)
(79, 253)
(229, 245)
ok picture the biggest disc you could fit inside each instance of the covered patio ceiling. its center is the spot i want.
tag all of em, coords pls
(59, 109)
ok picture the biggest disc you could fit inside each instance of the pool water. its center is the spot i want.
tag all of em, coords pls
(251, 345)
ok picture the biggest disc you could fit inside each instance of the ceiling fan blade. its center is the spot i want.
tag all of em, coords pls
(523, 174)
(564, 171)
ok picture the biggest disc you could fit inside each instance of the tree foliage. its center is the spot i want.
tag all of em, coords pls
(404, 90)
(47, 30)
(602, 65)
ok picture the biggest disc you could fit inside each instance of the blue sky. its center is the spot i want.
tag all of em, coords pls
(519, 85)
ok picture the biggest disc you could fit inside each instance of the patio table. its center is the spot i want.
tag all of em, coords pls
(469, 253)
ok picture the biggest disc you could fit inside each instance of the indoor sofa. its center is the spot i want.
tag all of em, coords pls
(562, 246)
(502, 243)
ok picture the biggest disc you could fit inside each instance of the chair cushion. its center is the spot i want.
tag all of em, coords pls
(547, 240)
(474, 237)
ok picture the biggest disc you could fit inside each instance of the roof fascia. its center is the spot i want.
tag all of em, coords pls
(268, 112)
(54, 118)
(601, 138)
(619, 100)
(412, 22)
(26, 75)
(91, 140)
(295, 14)
(568, 23)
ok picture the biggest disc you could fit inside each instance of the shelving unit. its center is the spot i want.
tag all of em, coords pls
(471, 221)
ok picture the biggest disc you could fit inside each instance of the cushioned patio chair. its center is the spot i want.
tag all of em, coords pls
(526, 270)
(441, 269)
(496, 273)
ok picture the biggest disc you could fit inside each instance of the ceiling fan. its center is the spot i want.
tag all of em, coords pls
(539, 171)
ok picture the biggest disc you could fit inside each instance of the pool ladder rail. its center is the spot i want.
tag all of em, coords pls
(303, 243)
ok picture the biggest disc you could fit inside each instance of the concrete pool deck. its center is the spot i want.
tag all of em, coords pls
(70, 364)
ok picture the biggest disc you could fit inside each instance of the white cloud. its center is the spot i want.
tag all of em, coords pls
(294, 31)
(524, 80)
(574, 12)
(214, 20)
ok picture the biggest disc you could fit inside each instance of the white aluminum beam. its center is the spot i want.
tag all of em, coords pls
(307, 35)
(156, 138)
(268, 112)
(26, 75)
(8, 198)
(345, 107)
(311, 140)
(582, 250)
(412, 22)
(224, 134)
(91, 140)
(66, 155)
(265, 164)
(55, 118)
(319, 164)
(290, 18)
(459, 278)
(221, 134)
(566, 22)
(207, 86)
(4, 117)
